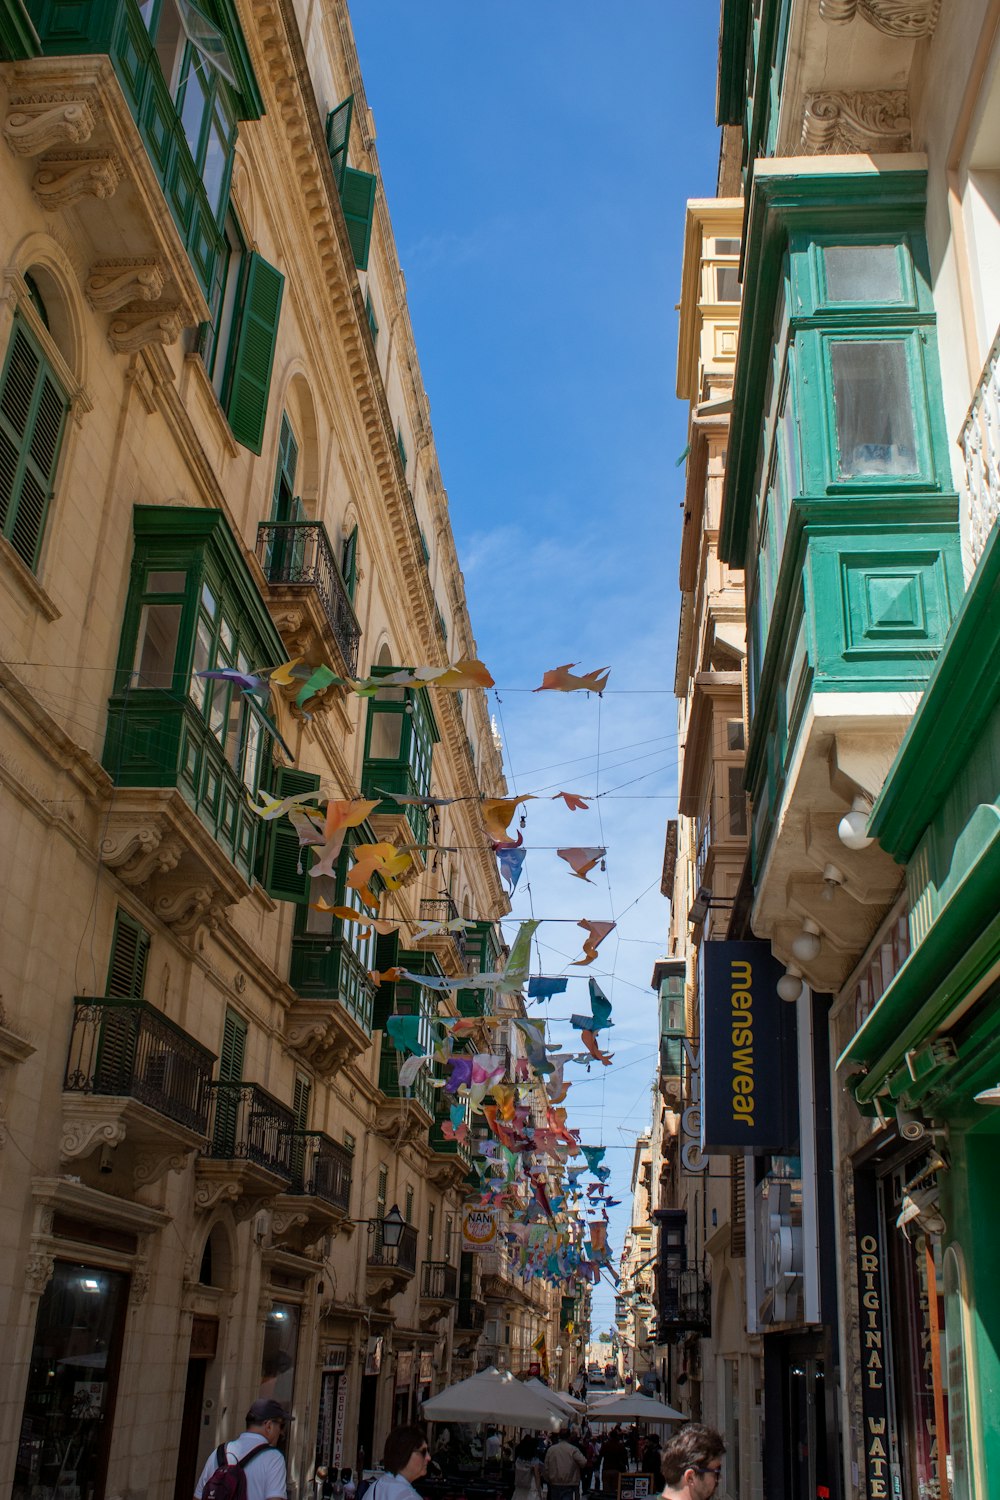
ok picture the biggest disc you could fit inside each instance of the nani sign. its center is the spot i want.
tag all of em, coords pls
(480, 1228)
(748, 1051)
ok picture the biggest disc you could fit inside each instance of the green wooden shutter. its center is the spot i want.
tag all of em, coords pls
(300, 1101)
(284, 473)
(358, 200)
(282, 879)
(254, 355)
(233, 1049)
(349, 563)
(33, 411)
(338, 136)
(129, 952)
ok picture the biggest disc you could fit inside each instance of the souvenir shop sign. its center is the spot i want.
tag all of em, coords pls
(748, 1064)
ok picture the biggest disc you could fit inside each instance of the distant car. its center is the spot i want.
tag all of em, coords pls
(595, 1375)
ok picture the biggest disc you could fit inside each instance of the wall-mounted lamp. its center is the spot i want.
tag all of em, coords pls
(790, 984)
(989, 1096)
(852, 826)
(806, 945)
(833, 877)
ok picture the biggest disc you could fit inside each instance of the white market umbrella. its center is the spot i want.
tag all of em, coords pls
(568, 1408)
(493, 1396)
(571, 1401)
(632, 1408)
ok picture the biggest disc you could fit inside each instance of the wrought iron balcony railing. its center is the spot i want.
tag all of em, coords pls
(248, 1124)
(401, 1257)
(127, 1048)
(297, 554)
(470, 1317)
(683, 1301)
(443, 909)
(439, 1281)
(321, 1168)
(980, 440)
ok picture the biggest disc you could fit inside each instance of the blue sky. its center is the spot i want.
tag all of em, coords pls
(536, 156)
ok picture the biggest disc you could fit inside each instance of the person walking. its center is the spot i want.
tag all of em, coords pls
(614, 1460)
(527, 1471)
(564, 1463)
(255, 1453)
(406, 1458)
(692, 1462)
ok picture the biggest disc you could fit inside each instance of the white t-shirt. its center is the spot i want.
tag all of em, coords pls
(265, 1474)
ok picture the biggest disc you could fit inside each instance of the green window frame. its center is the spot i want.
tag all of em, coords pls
(338, 138)
(284, 862)
(128, 959)
(33, 410)
(215, 342)
(193, 606)
(283, 502)
(349, 562)
(355, 189)
(372, 319)
(401, 446)
(400, 734)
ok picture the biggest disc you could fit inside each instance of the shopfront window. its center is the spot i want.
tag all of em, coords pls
(281, 1342)
(62, 1452)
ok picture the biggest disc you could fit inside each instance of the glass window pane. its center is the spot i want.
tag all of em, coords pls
(165, 583)
(156, 645)
(281, 1339)
(170, 42)
(208, 600)
(198, 688)
(391, 695)
(68, 1414)
(213, 173)
(727, 283)
(727, 247)
(872, 395)
(737, 804)
(195, 102)
(387, 736)
(863, 273)
(734, 735)
(251, 752)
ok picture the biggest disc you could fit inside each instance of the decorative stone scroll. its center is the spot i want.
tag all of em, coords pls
(62, 180)
(34, 125)
(138, 325)
(112, 284)
(136, 853)
(909, 19)
(844, 123)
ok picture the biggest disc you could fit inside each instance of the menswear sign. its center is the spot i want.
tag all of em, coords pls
(748, 1067)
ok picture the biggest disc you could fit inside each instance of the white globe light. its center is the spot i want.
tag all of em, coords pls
(790, 985)
(806, 945)
(851, 828)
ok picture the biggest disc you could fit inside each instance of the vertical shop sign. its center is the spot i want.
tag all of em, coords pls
(872, 1354)
(745, 1063)
(339, 1423)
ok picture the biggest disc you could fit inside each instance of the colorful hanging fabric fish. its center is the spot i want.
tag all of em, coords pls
(511, 862)
(582, 861)
(543, 987)
(247, 682)
(563, 680)
(596, 933)
(404, 1031)
(406, 800)
(497, 813)
(515, 970)
(600, 1007)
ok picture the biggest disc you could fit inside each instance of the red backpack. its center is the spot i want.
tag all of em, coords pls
(229, 1482)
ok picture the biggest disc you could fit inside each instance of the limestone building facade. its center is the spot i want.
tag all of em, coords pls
(216, 454)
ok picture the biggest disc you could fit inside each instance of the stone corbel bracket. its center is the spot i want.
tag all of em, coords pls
(843, 123)
(136, 854)
(909, 19)
(113, 284)
(139, 324)
(64, 179)
(85, 1128)
(35, 124)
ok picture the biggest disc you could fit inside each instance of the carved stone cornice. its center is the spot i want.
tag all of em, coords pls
(323, 1032)
(61, 180)
(909, 19)
(34, 125)
(159, 847)
(841, 123)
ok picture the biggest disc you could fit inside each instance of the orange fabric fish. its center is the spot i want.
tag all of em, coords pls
(497, 813)
(589, 1040)
(564, 680)
(596, 933)
(581, 861)
(572, 801)
(384, 976)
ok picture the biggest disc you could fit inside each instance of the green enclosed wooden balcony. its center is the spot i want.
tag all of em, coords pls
(162, 146)
(400, 735)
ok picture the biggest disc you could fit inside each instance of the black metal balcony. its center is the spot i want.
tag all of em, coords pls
(127, 1048)
(470, 1317)
(401, 1257)
(298, 555)
(438, 1281)
(683, 1302)
(249, 1125)
(321, 1168)
(443, 909)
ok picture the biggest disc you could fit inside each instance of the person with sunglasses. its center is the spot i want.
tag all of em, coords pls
(406, 1458)
(692, 1462)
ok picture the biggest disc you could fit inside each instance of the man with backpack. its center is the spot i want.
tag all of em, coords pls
(250, 1466)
